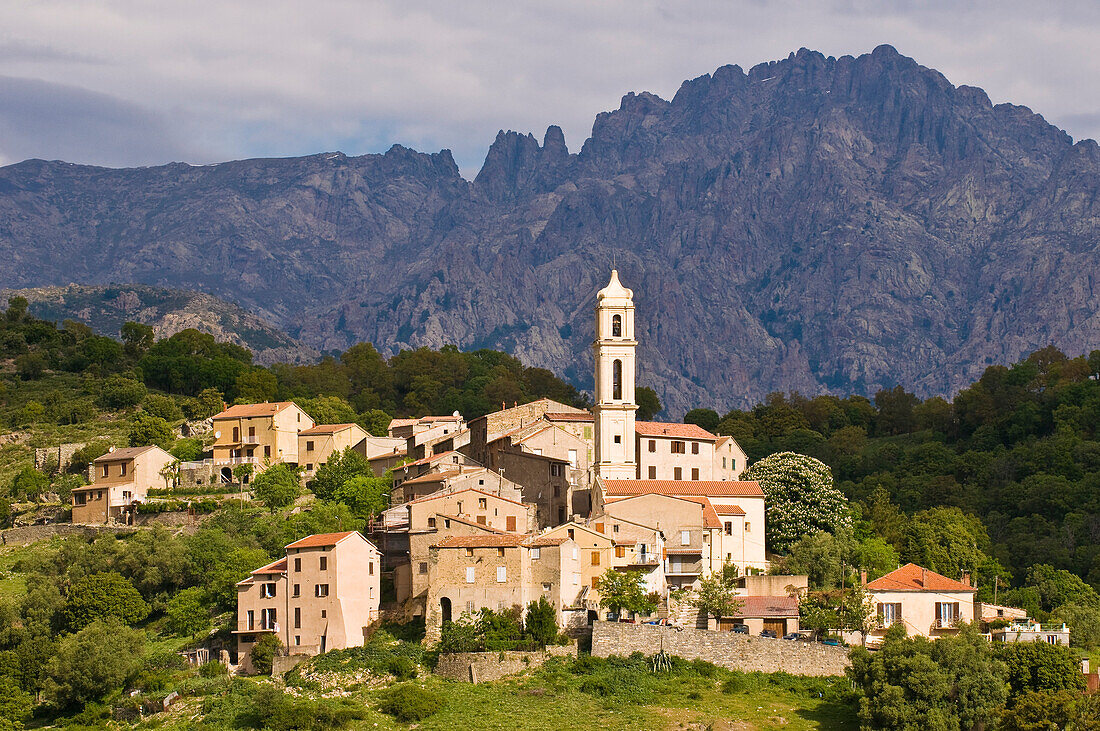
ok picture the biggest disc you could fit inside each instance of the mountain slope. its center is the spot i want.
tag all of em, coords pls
(815, 223)
(105, 309)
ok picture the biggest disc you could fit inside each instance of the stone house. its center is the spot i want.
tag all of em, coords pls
(528, 456)
(597, 552)
(122, 479)
(383, 462)
(1027, 631)
(456, 479)
(927, 604)
(470, 573)
(318, 443)
(426, 427)
(323, 595)
(491, 427)
(258, 434)
(443, 462)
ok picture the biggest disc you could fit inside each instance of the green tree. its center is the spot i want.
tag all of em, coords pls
(31, 413)
(119, 392)
(277, 486)
(137, 338)
(256, 386)
(541, 623)
(1039, 666)
(1047, 711)
(329, 410)
(30, 366)
(800, 498)
(1058, 587)
(242, 473)
(706, 418)
(717, 597)
(366, 496)
(210, 401)
(15, 705)
(186, 613)
(340, 467)
(146, 429)
(376, 421)
(93, 663)
(648, 403)
(29, 484)
(163, 406)
(624, 590)
(101, 596)
(187, 449)
(263, 653)
(1085, 622)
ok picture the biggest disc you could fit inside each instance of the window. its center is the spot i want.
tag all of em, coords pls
(615, 528)
(536, 554)
(482, 503)
(252, 432)
(677, 473)
(267, 618)
(510, 523)
(324, 563)
(617, 380)
(618, 439)
(267, 591)
(546, 587)
(616, 326)
(502, 574)
(469, 574)
(431, 522)
(889, 614)
(122, 470)
(80, 498)
(723, 463)
(236, 434)
(599, 527)
(105, 470)
(695, 473)
(481, 520)
(570, 533)
(126, 494)
(1052, 639)
(324, 613)
(297, 639)
(297, 590)
(729, 529)
(251, 619)
(652, 472)
(748, 526)
(309, 467)
(572, 458)
(555, 469)
(595, 582)
(267, 450)
(321, 590)
(685, 537)
(695, 447)
(309, 446)
(297, 617)
(652, 445)
(469, 552)
(370, 568)
(557, 490)
(947, 613)
(297, 564)
(679, 447)
(620, 551)
(595, 558)
(587, 432)
(454, 459)
(371, 593)
(500, 552)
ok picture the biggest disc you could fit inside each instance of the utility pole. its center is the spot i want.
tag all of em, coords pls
(995, 581)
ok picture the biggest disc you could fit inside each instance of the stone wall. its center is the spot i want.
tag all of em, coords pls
(726, 649)
(33, 533)
(61, 455)
(480, 667)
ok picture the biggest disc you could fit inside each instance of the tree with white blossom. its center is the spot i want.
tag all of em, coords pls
(799, 498)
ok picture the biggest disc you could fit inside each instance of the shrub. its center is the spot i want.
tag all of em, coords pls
(30, 366)
(410, 703)
(263, 653)
(89, 453)
(100, 596)
(277, 486)
(401, 668)
(119, 392)
(93, 663)
(76, 411)
(146, 429)
(212, 669)
(163, 406)
(187, 450)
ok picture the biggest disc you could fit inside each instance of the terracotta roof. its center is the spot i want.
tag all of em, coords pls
(768, 606)
(728, 510)
(430, 419)
(506, 540)
(243, 411)
(321, 539)
(545, 541)
(387, 455)
(472, 523)
(668, 429)
(685, 551)
(402, 422)
(568, 416)
(275, 567)
(708, 488)
(431, 458)
(710, 516)
(437, 495)
(431, 477)
(124, 453)
(327, 429)
(911, 577)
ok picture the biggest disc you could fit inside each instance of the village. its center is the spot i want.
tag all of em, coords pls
(535, 501)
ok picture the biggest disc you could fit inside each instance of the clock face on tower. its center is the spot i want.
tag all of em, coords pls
(615, 365)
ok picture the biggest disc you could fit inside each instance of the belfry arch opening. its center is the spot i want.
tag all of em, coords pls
(617, 326)
(617, 380)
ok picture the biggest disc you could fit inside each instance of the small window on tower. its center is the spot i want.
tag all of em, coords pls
(617, 326)
(617, 380)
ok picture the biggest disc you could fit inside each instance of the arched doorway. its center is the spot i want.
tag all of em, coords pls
(445, 609)
(227, 475)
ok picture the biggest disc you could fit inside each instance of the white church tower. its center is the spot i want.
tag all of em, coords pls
(614, 350)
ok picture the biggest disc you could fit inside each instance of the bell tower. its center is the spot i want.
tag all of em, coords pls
(614, 412)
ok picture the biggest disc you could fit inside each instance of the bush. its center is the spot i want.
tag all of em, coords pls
(119, 392)
(410, 703)
(146, 429)
(30, 366)
(76, 411)
(100, 596)
(94, 662)
(88, 454)
(263, 653)
(401, 668)
(212, 669)
(187, 450)
(277, 486)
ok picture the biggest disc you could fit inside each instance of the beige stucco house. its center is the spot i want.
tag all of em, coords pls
(924, 602)
(322, 596)
(318, 443)
(122, 478)
(258, 434)
(729, 459)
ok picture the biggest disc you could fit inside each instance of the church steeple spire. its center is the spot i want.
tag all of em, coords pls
(614, 348)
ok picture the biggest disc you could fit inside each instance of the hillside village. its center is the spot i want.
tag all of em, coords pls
(532, 501)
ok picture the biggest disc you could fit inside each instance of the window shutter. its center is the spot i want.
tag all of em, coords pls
(897, 611)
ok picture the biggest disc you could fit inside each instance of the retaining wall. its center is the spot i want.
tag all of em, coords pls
(725, 649)
(27, 534)
(480, 667)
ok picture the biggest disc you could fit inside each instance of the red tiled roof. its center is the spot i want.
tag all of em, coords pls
(327, 429)
(244, 411)
(768, 606)
(124, 453)
(710, 517)
(911, 577)
(545, 541)
(679, 431)
(275, 567)
(321, 539)
(431, 458)
(402, 422)
(387, 455)
(430, 419)
(438, 495)
(707, 488)
(431, 477)
(568, 416)
(507, 540)
(728, 510)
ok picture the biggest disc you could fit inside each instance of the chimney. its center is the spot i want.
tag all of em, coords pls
(863, 577)
(966, 578)
(923, 577)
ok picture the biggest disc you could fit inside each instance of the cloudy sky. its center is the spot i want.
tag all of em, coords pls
(132, 82)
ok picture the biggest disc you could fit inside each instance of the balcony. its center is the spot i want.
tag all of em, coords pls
(250, 439)
(218, 462)
(684, 568)
(948, 623)
(244, 626)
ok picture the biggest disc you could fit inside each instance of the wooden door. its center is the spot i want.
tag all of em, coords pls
(779, 626)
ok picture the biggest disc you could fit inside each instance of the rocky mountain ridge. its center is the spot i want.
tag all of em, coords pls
(813, 224)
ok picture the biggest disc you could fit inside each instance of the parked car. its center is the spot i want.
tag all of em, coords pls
(792, 636)
(741, 629)
(831, 642)
(768, 633)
